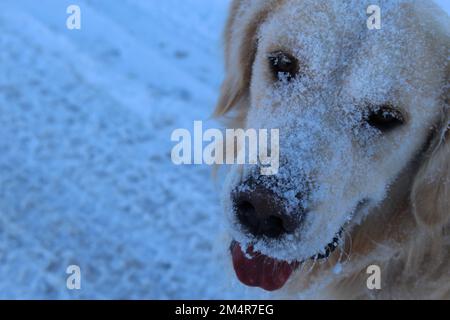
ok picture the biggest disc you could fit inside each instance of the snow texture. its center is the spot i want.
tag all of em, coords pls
(85, 171)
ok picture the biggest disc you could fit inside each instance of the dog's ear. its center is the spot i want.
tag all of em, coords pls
(431, 189)
(240, 50)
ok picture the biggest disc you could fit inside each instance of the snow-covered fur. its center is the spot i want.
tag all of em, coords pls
(388, 191)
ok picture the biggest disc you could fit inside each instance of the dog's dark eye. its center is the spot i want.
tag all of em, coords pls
(385, 118)
(283, 66)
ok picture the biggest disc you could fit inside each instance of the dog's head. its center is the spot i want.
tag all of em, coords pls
(356, 110)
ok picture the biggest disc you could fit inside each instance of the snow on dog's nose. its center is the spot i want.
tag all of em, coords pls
(262, 212)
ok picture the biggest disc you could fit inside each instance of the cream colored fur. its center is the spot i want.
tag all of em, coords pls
(408, 235)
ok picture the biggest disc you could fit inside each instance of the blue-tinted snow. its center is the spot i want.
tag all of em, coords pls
(85, 170)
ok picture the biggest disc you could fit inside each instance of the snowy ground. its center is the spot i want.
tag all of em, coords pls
(85, 170)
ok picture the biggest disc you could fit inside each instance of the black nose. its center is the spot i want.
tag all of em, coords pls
(262, 213)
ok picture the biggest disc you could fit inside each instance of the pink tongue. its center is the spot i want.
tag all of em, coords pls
(260, 270)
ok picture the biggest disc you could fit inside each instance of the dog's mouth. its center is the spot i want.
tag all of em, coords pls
(255, 269)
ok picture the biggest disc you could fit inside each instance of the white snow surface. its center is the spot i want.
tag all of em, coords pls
(85, 171)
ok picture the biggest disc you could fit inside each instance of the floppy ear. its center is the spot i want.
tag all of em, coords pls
(240, 49)
(431, 189)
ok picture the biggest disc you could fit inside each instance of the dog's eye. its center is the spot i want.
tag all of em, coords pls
(385, 118)
(283, 65)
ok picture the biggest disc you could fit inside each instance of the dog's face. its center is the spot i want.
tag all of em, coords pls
(354, 108)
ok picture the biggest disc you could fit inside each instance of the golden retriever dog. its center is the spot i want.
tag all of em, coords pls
(362, 190)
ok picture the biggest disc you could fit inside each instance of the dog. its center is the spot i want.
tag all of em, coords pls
(364, 176)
